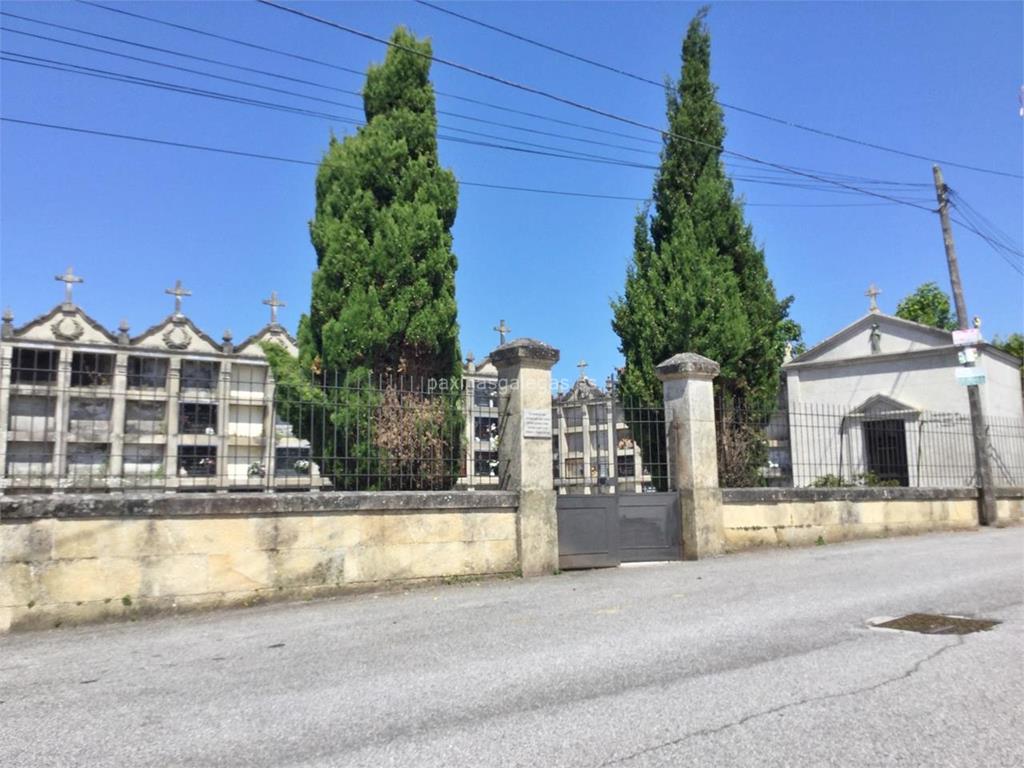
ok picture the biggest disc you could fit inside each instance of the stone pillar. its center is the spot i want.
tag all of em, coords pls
(61, 418)
(692, 457)
(269, 429)
(117, 413)
(563, 448)
(613, 446)
(171, 414)
(223, 400)
(6, 362)
(524, 448)
(589, 478)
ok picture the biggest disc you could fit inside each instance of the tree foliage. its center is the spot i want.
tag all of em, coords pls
(698, 280)
(1014, 345)
(383, 296)
(929, 305)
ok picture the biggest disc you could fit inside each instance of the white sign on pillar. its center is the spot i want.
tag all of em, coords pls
(537, 423)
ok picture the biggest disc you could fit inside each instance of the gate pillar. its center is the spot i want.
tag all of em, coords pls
(524, 448)
(693, 460)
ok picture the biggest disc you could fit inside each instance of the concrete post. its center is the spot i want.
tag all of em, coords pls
(61, 420)
(117, 414)
(269, 430)
(6, 364)
(171, 420)
(524, 448)
(223, 399)
(693, 460)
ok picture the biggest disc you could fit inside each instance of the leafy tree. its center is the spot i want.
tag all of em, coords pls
(929, 305)
(1014, 345)
(698, 281)
(383, 300)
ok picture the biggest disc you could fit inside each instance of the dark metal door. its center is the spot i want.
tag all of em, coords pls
(649, 527)
(604, 530)
(886, 448)
(588, 531)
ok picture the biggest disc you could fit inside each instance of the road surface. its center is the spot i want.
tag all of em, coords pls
(759, 659)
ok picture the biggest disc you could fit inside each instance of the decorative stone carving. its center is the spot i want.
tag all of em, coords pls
(67, 328)
(177, 338)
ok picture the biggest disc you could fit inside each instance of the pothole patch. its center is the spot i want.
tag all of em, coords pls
(936, 624)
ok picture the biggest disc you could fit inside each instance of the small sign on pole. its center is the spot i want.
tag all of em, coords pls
(968, 337)
(967, 355)
(970, 376)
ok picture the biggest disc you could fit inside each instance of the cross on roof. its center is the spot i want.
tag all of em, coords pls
(502, 329)
(177, 292)
(273, 302)
(582, 365)
(872, 292)
(69, 278)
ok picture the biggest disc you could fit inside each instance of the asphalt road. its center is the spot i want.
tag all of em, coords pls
(759, 659)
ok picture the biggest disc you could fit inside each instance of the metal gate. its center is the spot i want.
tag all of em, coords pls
(609, 463)
(602, 531)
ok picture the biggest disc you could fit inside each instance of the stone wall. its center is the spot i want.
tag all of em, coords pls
(807, 516)
(81, 558)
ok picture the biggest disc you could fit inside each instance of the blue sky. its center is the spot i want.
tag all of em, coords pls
(938, 79)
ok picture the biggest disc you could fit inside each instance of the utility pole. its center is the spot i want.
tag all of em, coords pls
(982, 455)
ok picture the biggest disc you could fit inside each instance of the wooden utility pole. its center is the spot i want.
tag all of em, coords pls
(982, 455)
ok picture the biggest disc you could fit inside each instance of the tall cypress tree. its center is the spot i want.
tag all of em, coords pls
(383, 299)
(384, 289)
(698, 281)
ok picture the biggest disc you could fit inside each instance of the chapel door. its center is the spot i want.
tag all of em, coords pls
(885, 445)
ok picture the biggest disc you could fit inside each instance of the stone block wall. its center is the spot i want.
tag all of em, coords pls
(75, 559)
(808, 516)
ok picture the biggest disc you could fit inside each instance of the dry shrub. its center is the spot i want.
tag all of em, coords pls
(410, 435)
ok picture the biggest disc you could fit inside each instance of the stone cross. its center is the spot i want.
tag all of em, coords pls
(273, 302)
(582, 365)
(872, 292)
(177, 292)
(69, 279)
(502, 329)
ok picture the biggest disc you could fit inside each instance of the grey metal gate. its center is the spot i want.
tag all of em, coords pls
(602, 531)
(609, 457)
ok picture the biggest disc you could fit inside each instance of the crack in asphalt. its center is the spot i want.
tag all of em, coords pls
(790, 705)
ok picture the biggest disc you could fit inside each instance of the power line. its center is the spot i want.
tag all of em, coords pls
(538, 149)
(576, 104)
(309, 96)
(192, 56)
(178, 68)
(744, 110)
(857, 179)
(249, 83)
(1013, 265)
(164, 142)
(528, 148)
(979, 219)
(321, 62)
(296, 161)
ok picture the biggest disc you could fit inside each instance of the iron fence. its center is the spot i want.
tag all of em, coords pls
(826, 446)
(204, 425)
(608, 446)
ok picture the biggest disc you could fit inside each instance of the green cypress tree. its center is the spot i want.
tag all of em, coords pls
(698, 280)
(384, 289)
(383, 300)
